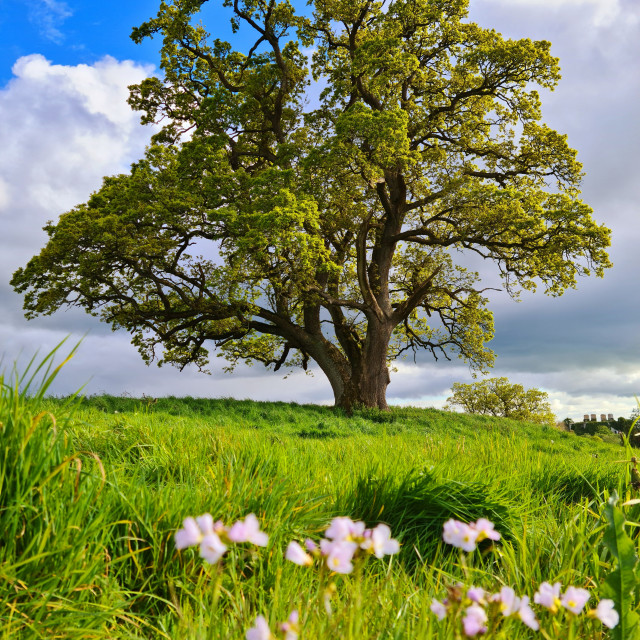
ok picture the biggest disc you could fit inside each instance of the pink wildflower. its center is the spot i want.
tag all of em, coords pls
(189, 535)
(459, 535)
(380, 542)
(343, 528)
(474, 621)
(476, 594)
(310, 546)
(260, 631)
(509, 602)
(212, 548)
(439, 608)
(525, 613)
(248, 531)
(205, 523)
(339, 555)
(290, 627)
(195, 530)
(548, 596)
(606, 613)
(326, 546)
(296, 554)
(485, 530)
(574, 599)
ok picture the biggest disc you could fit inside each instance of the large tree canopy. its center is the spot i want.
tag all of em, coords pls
(282, 226)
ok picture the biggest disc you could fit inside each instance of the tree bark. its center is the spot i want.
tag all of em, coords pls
(364, 382)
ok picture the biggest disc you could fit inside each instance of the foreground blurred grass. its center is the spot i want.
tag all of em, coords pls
(92, 491)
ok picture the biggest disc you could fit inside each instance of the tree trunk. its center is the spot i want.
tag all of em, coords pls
(366, 385)
(369, 389)
(360, 380)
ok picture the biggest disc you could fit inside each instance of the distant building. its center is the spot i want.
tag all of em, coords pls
(605, 419)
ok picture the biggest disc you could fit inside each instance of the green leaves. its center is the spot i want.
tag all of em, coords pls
(622, 581)
(375, 140)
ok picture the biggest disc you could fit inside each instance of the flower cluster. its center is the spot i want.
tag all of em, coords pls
(467, 536)
(480, 610)
(344, 539)
(261, 630)
(477, 606)
(214, 538)
(574, 600)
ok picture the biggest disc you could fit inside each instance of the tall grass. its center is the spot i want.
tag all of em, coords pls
(93, 490)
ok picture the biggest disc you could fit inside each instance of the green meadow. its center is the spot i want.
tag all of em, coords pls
(93, 490)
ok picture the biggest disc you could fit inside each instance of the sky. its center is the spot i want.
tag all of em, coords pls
(64, 124)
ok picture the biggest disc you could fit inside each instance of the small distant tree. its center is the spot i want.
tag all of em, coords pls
(568, 422)
(498, 397)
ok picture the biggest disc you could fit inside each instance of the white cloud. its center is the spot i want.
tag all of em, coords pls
(49, 15)
(4, 195)
(64, 127)
(573, 406)
(603, 12)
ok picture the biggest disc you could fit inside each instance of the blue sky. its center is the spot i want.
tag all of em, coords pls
(64, 71)
(82, 32)
(72, 32)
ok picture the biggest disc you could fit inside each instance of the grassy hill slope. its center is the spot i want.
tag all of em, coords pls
(93, 494)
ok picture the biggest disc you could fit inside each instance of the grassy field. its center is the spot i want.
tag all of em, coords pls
(93, 491)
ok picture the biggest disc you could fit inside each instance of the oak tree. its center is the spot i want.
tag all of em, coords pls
(294, 209)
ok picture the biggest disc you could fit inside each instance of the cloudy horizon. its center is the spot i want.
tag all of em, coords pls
(66, 124)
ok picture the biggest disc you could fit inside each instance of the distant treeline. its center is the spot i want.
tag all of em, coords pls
(602, 428)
